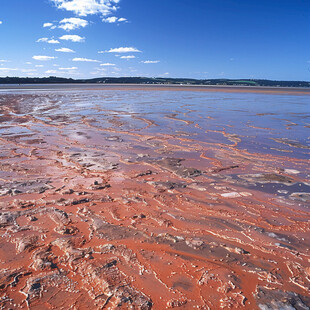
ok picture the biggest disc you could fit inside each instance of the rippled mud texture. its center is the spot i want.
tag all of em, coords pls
(142, 199)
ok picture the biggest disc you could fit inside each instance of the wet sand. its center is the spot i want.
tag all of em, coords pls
(127, 197)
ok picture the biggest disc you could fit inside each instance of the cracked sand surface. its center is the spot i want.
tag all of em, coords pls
(142, 199)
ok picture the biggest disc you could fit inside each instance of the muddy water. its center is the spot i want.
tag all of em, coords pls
(137, 198)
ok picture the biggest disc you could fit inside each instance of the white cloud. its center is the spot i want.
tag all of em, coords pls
(68, 24)
(128, 57)
(87, 7)
(123, 50)
(3, 60)
(0, 22)
(42, 40)
(73, 23)
(47, 40)
(43, 58)
(150, 61)
(73, 38)
(111, 19)
(107, 64)
(28, 70)
(85, 60)
(72, 68)
(28, 63)
(114, 19)
(52, 41)
(47, 25)
(51, 71)
(39, 66)
(64, 50)
(8, 69)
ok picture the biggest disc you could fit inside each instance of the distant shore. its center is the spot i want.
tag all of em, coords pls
(156, 81)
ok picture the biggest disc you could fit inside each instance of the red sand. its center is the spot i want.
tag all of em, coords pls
(125, 224)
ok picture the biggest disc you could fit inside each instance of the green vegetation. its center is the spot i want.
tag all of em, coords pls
(146, 80)
(247, 82)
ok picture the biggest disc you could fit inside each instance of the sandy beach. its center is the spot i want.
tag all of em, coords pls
(129, 197)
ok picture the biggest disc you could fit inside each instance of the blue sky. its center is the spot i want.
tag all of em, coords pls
(169, 38)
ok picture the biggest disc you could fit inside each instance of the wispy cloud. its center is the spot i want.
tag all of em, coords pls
(107, 64)
(85, 60)
(114, 19)
(4, 60)
(68, 69)
(73, 38)
(68, 24)
(28, 70)
(151, 61)
(51, 71)
(7, 69)
(47, 40)
(39, 66)
(43, 58)
(72, 23)
(48, 25)
(121, 50)
(64, 50)
(128, 57)
(87, 7)
(124, 50)
(42, 40)
(111, 19)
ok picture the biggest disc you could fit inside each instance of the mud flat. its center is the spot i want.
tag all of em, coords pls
(132, 198)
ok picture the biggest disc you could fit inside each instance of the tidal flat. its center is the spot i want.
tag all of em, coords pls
(141, 197)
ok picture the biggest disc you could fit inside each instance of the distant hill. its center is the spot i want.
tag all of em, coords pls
(146, 80)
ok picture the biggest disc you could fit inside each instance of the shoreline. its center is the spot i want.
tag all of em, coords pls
(161, 87)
